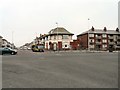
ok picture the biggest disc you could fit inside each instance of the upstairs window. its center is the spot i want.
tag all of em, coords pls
(104, 35)
(104, 41)
(91, 35)
(55, 37)
(65, 37)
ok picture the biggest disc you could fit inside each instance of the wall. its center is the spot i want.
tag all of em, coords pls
(0, 42)
(83, 40)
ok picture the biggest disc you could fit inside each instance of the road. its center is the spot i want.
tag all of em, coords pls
(60, 70)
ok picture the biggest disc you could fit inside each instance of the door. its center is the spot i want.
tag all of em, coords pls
(54, 46)
(59, 45)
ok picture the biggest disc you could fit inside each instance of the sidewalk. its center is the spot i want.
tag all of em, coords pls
(84, 51)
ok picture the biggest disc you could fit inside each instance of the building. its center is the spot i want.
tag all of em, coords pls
(1, 41)
(40, 40)
(99, 39)
(58, 39)
(4, 43)
(75, 45)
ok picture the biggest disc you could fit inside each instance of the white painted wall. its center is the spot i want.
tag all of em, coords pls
(59, 38)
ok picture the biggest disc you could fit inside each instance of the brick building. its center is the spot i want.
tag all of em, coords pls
(75, 45)
(99, 39)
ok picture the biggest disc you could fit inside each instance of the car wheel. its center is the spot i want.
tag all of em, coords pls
(12, 53)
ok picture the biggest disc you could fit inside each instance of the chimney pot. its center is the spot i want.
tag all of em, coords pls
(92, 28)
(105, 29)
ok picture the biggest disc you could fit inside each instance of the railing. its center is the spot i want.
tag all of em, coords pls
(104, 42)
(98, 37)
(98, 42)
(91, 42)
(118, 43)
(111, 43)
(118, 37)
(104, 37)
(111, 37)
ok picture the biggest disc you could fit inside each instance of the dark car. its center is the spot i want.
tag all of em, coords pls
(8, 51)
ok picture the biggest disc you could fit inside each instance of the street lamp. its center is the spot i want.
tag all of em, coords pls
(88, 23)
(57, 35)
(88, 31)
(12, 39)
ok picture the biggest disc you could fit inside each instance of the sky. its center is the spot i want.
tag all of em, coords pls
(26, 19)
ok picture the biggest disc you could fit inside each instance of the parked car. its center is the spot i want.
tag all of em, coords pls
(8, 51)
(28, 48)
(38, 48)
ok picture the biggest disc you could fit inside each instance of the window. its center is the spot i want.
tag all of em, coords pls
(111, 40)
(91, 46)
(49, 37)
(104, 46)
(111, 35)
(91, 40)
(65, 37)
(98, 35)
(54, 37)
(104, 41)
(99, 40)
(46, 38)
(104, 35)
(91, 35)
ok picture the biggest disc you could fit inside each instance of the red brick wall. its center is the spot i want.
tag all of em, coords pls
(83, 40)
(74, 44)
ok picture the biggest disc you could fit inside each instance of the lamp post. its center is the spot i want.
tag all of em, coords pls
(57, 36)
(88, 31)
(12, 39)
(88, 23)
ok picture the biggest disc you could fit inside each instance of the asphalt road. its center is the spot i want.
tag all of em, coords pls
(60, 70)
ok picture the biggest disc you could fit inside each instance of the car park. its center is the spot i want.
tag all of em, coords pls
(8, 51)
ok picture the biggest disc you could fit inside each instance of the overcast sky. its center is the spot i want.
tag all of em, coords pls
(28, 18)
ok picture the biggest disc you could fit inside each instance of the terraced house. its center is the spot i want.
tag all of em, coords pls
(58, 39)
(99, 39)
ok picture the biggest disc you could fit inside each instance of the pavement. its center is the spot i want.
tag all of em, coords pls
(78, 69)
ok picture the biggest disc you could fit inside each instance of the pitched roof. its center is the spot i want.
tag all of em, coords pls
(60, 30)
(1, 37)
(4, 40)
(99, 31)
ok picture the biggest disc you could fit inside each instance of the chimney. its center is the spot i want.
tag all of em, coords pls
(117, 29)
(92, 28)
(105, 29)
